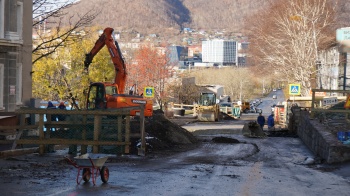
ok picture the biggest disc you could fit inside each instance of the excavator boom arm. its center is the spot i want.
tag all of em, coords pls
(106, 39)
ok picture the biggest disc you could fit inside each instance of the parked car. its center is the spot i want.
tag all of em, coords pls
(274, 96)
(255, 110)
(274, 89)
(273, 107)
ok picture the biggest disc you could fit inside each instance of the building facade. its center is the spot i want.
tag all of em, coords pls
(15, 54)
(220, 52)
(178, 55)
(329, 69)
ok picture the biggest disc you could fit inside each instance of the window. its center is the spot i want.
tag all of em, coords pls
(19, 19)
(2, 87)
(19, 84)
(2, 18)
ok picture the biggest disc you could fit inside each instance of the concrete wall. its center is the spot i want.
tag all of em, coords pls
(318, 139)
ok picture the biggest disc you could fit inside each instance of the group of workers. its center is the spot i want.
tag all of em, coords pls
(270, 121)
(61, 106)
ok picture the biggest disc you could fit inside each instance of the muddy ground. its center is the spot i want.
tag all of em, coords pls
(219, 164)
(169, 139)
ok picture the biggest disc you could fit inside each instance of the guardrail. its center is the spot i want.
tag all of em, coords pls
(225, 109)
(110, 127)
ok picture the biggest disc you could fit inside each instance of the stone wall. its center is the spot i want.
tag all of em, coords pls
(322, 142)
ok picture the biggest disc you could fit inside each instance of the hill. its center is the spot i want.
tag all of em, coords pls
(169, 17)
(156, 16)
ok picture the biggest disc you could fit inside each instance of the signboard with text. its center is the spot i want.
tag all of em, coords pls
(330, 101)
(343, 38)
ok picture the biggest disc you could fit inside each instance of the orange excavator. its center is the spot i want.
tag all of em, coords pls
(105, 95)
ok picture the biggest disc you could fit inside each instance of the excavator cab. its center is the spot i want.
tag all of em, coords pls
(96, 97)
(207, 99)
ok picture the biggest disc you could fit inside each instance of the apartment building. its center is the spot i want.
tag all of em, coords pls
(15, 55)
(221, 52)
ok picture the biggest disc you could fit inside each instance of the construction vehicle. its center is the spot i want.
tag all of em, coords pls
(106, 95)
(244, 106)
(207, 109)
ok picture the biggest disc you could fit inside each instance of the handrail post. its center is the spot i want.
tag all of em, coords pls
(313, 103)
(97, 127)
(41, 134)
(20, 130)
(127, 134)
(120, 131)
(83, 136)
(142, 150)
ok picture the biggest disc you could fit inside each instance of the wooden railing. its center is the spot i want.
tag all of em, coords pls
(82, 123)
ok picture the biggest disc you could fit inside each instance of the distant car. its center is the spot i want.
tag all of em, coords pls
(255, 110)
(274, 89)
(273, 107)
(274, 96)
(252, 109)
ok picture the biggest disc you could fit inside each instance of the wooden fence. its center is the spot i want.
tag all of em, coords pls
(81, 127)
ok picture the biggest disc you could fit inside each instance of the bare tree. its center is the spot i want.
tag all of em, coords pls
(51, 32)
(238, 83)
(286, 39)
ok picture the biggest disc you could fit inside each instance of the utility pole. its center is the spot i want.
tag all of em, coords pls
(263, 88)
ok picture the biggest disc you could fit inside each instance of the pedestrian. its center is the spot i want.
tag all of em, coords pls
(271, 122)
(261, 120)
(61, 117)
(51, 106)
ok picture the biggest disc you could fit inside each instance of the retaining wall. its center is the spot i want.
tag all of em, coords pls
(321, 141)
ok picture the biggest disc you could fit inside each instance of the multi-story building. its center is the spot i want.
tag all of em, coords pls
(220, 52)
(15, 55)
(195, 51)
(178, 55)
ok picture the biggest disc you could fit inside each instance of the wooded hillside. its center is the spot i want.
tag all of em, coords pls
(155, 16)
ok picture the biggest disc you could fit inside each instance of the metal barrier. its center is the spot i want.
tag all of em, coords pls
(96, 128)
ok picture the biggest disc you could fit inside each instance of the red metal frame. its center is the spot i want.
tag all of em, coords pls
(94, 170)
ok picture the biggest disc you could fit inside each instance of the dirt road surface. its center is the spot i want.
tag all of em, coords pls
(224, 162)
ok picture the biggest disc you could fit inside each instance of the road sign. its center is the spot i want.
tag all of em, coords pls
(343, 34)
(294, 89)
(148, 92)
(330, 101)
(343, 38)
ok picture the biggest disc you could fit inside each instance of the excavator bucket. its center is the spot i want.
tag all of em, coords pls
(208, 113)
(206, 116)
(253, 129)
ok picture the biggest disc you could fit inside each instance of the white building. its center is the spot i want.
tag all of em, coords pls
(330, 69)
(220, 52)
(16, 23)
